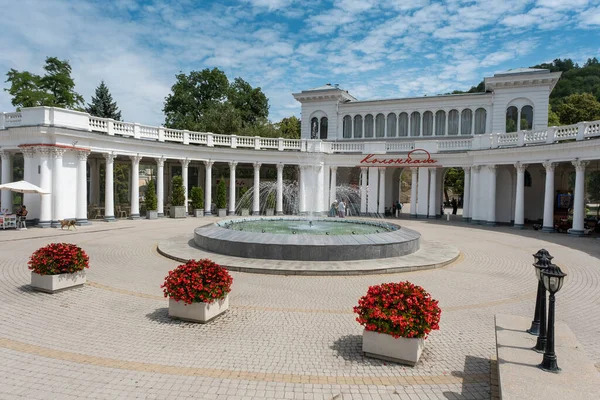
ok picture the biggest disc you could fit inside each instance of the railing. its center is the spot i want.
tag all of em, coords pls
(42, 116)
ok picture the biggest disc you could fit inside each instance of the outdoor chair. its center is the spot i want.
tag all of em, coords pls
(121, 212)
(21, 222)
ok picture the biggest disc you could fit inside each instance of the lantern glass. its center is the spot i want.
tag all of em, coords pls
(546, 281)
(538, 273)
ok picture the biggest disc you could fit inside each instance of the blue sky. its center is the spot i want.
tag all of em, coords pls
(374, 49)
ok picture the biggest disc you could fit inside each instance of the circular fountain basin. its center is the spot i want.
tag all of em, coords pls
(303, 239)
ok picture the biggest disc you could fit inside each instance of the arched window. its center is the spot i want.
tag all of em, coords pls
(526, 118)
(380, 125)
(453, 122)
(368, 126)
(403, 124)
(415, 124)
(358, 123)
(391, 125)
(347, 129)
(440, 123)
(323, 134)
(466, 120)
(480, 116)
(314, 128)
(511, 119)
(527, 179)
(427, 123)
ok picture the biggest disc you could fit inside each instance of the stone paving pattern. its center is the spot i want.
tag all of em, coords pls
(284, 337)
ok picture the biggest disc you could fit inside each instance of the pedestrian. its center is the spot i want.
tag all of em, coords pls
(333, 209)
(454, 206)
(342, 209)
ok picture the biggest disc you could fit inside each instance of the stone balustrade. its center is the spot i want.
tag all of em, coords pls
(77, 120)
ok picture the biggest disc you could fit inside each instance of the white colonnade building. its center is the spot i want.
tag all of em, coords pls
(517, 169)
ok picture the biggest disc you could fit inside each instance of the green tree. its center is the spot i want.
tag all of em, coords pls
(578, 107)
(553, 119)
(289, 128)
(102, 104)
(151, 199)
(251, 103)
(55, 89)
(221, 195)
(454, 182)
(178, 194)
(197, 197)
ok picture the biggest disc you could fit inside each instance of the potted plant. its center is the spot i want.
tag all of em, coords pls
(151, 201)
(244, 201)
(178, 198)
(58, 266)
(397, 318)
(221, 198)
(197, 197)
(197, 290)
(271, 203)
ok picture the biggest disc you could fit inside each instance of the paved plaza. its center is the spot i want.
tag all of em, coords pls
(284, 337)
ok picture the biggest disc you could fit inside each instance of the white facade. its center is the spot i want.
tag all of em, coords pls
(511, 177)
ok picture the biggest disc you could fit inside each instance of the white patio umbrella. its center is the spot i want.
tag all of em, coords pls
(23, 187)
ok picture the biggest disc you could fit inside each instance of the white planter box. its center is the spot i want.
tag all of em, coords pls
(198, 212)
(54, 283)
(386, 347)
(178, 212)
(245, 212)
(197, 312)
(222, 212)
(152, 214)
(270, 212)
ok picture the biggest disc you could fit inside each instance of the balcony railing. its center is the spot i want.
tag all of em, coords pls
(77, 120)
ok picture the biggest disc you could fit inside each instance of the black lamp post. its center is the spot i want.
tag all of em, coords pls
(540, 266)
(553, 279)
(541, 293)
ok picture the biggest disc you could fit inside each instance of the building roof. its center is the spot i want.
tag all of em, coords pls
(521, 71)
(327, 86)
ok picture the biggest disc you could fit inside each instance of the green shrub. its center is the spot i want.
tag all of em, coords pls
(178, 194)
(150, 199)
(197, 196)
(221, 198)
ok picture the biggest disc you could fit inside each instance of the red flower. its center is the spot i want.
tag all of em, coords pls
(197, 281)
(58, 258)
(398, 309)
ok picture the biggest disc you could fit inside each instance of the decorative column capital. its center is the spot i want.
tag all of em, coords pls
(492, 168)
(364, 170)
(333, 168)
(160, 162)
(28, 152)
(280, 166)
(57, 152)
(466, 169)
(257, 165)
(6, 153)
(82, 155)
(109, 157)
(382, 169)
(185, 162)
(136, 159)
(414, 170)
(209, 163)
(232, 164)
(476, 168)
(549, 165)
(580, 165)
(521, 167)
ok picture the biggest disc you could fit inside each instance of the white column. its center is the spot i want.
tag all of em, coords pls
(372, 190)
(460, 124)
(413, 192)
(518, 119)
(475, 215)
(256, 202)
(579, 200)
(109, 198)
(432, 192)
(279, 205)
(363, 190)
(548, 225)
(333, 185)
(208, 188)
(184, 176)
(318, 202)
(302, 190)
(135, 187)
(446, 130)
(325, 199)
(232, 166)
(92, 163)
(491, 214)
(82, 187)
(46, 184)
(472, 122)
(30, 174)
(160, 186)
(6, 195)
(423, 193)
(467, 194)
(381, 209)
(57, 166)
(520, 196)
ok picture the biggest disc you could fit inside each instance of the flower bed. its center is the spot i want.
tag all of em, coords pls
(58, 258)
(398, 309)
(200, 281)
